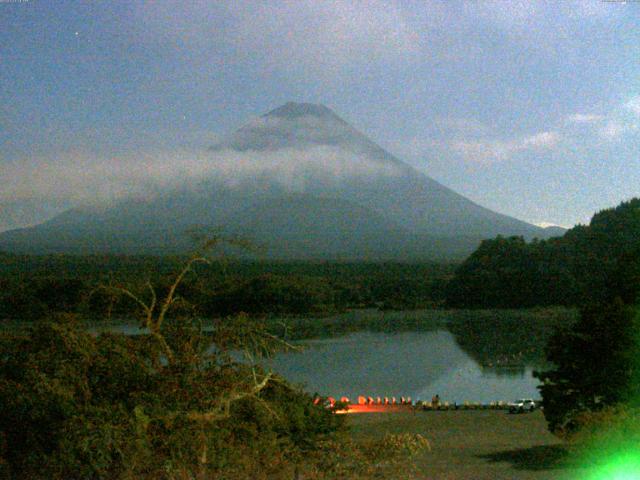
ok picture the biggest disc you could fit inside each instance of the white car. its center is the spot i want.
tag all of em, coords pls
(522, 405)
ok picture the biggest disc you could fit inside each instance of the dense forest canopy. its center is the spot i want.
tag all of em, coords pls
(33, 286)
(587, 263)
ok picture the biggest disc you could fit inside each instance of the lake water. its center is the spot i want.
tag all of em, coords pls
(415, 364)
(476, 356)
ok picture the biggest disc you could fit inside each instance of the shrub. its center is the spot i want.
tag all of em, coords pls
(80, 406)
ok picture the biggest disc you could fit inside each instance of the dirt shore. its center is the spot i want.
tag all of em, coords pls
(476, 445)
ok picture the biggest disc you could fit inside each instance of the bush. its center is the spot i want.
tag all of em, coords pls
(80, 406)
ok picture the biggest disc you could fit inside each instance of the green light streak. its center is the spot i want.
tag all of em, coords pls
(622, 466)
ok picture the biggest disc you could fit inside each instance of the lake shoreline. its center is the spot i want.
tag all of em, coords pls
(360, 318)
(464, 355)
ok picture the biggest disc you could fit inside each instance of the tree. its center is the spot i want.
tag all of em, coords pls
(577, 268)
(172, 403)
(175, 402)
(595, 365)
(501, 273)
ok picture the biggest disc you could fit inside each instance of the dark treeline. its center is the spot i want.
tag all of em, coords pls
(591, 389)
(31, 287)
(586, 265)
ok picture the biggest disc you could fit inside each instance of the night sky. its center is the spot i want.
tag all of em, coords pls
(529, 108)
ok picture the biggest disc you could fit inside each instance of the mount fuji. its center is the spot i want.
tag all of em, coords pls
(300, 181)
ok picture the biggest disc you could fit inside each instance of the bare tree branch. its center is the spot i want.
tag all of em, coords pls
(223, 408)
(172, 290)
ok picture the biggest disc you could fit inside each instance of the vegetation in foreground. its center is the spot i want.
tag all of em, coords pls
(174, 403)
(591, 395)
(596, 365)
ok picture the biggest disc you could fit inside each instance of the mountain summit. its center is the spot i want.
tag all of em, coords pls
(302, 125)
(293, 110)
(299, 180)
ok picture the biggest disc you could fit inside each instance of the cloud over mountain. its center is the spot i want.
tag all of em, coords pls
(299, 176)
(488, 151)
(82, 178)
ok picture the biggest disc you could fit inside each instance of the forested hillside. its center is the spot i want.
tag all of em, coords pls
(588, 264)
(31, 287)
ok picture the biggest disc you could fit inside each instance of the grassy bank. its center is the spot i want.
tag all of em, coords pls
(476, 445)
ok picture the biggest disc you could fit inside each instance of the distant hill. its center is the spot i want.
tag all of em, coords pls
(554, 231)
(22, 212)
(589, 263)
(300, 181)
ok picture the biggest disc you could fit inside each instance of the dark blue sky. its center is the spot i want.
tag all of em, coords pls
(529, 108)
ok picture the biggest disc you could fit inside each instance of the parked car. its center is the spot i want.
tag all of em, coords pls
(522, 405)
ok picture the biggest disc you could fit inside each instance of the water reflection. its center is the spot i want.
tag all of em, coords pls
(504, 346)
(479, 356)
(469, 382)
(416, 364)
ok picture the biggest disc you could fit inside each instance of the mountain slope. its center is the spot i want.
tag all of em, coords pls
(411, 198)
(302, 182)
